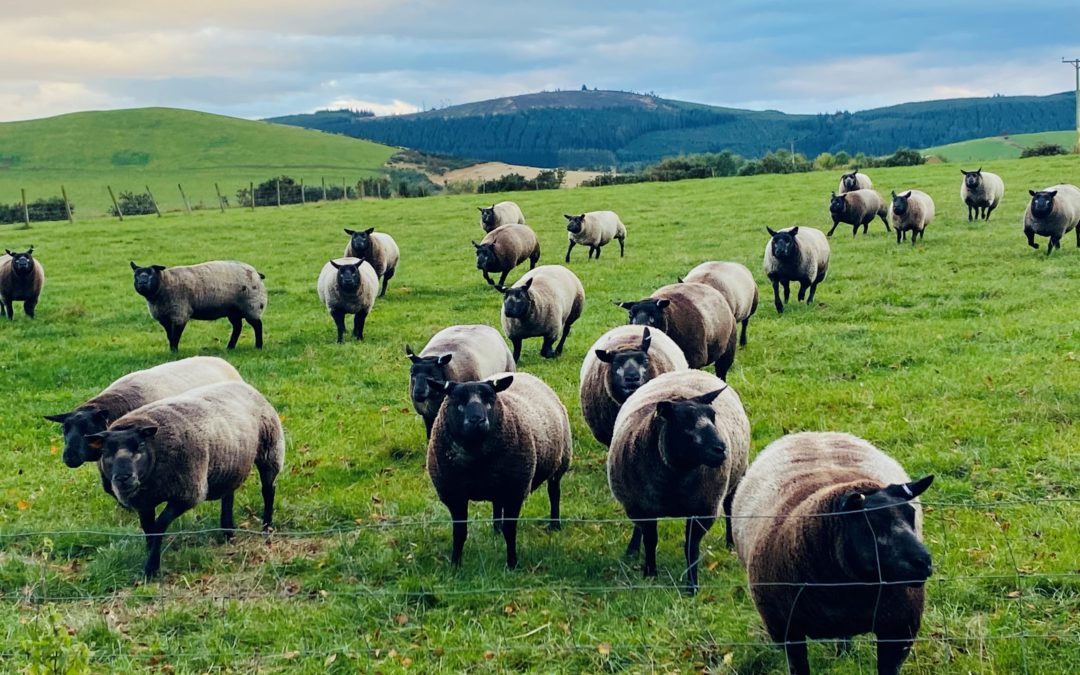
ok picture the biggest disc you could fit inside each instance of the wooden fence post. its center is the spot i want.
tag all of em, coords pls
(187, 206)
(220, 200)
(277, 185)
(303, 197)
(251, 192)
(67, 204)
(25, 210)
(344, 189)
(324, 188)
(360, 184)
(119, 213)
(153, 201)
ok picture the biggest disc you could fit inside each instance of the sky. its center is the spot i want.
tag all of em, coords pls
(261, 59)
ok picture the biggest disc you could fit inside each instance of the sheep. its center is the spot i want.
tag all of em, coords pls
(190, 448)
(829, 529)
(735, 283)
(497, 441)
(21, 280)
(981, 191)
(128, 393)
(796, 254)
(678, 450)
(912, 210)
(377, 248)
(1051, 213)
(503, 213)
(849, 182)
(618, 363)
(504, 248)
(857, 208)
(459, 354)
(203, 292)
(696, 317)
(595, 229)
(544, 303)
(348, 286)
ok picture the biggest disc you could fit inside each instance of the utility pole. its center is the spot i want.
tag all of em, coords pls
(1075, 63)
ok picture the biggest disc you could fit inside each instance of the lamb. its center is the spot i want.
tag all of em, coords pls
(696, 317)
(796, 254)
(829, 529)
(377, 248)
(678, 451)
(1052, 213)
(912, 210)
(348, 286)
(735, 283)
(618, 363)
(497, 441)
(544, 303)
(857, 208)
(21, 279)
(456, 354)
(503, 213)
(203, 292)
(504, 248)
(849, 182)
(190, 448)
(128, 393)
(595, 229)
(981, 191)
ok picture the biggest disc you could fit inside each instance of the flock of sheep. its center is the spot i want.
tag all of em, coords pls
(827, 526)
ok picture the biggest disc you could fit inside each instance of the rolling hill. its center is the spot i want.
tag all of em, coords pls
(587, 129)
(999, 147)
(163, 147)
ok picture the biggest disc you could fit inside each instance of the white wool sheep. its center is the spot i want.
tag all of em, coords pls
(1052, 213)
(981, 191)
(545, 303)
(911, 211)
(796, 254)
(735, 283)
(348, 286)
(595, 229)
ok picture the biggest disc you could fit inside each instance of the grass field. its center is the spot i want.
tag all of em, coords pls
(163, 147)
(999, 147)
(957, 356)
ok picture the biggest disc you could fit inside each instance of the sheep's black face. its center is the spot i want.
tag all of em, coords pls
(900, 203)
(470, 408)
(575, 224)
(348, 277)
(76, 426)
(784, 246)
(126, 458)
(850, 183)
(147, 279)
(837, 204)
(879, 541)
(485, 257)
(690, 438)
(647, 312)
(423, 371)
(629, 369)
(972, 179)
(360, 240)
(487, 218)
(1042, 203)
(516, 301)
(22, 263)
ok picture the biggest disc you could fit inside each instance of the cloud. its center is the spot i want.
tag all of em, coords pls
(395, 107)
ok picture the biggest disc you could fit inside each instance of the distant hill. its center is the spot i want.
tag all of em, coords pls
(999, 147)
(588, 129)
(162, 147)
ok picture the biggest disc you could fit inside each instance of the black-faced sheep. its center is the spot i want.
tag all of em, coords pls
(544, 303)
(1052, 213)
(503, 213)
(456, 354)
(504, 248)
(849, 182)
(678, 451)
(595, 229)
(194, 447)
(830, 532)
(696, 317)
(735, 283)
(857, 208)
(204, 292)
(981, 191)
(618, 363)
(796, 254)
(377, 248)
(911, 211)
(348, 286)
(21, 279)
(497, 441)
(128, 393)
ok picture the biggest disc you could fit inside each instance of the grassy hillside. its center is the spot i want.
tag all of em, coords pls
(999, 147)
(129, 149)
(600, 129)
(956, 356)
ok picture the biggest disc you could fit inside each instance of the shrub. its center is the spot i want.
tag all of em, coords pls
(132, 204)
(53, 649)
(1043, 150)
(40, 210)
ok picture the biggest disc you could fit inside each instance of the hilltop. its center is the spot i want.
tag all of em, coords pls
(999, 147)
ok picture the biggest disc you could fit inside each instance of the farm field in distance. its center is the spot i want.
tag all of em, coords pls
(999, 147)
(958, 357)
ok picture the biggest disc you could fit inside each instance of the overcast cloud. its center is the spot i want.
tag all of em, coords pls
(266, 58)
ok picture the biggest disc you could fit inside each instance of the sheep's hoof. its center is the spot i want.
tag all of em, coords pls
(555, 525)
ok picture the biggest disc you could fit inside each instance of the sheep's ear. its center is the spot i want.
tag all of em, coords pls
(1032, 193)
(502, 384)
(664, 409)
(906, 194)
(101, 417)
(500, 288)
(159, 268)
(350, 232)
(680, 279)
(894, 194)
(480, 209)
(335, 265)
(474, 244)
(855, 501)
(96, 441)
(963, 172)
(833, 195)
(624, 305)
(444, 359)
(30, 251)
(772, 232)
(369, 230)
(567, 216)
(412, 356)
(794, 231)
(979, 170)
(1052, 193)
(133, 265)
(59, 419)
(604, 355)
(528, 284)
(646, 340)
(147, 432)
(911, 490)
(707, 399)
(446, 388)
(662, 303)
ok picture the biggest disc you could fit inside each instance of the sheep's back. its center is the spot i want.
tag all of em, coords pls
(734, 281)
(599, 228)
(558, 297)
(479, 352)
(514, 243)
(508, 213)
(699, 320)
(210, 290)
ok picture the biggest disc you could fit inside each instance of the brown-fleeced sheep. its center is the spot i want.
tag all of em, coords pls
(544, 303)
(1052, 213)
(504, 248)
(830, 532)
(497, 441)
(857, 208)
(348, 286)
(194, 447)
(595, 229)
(377, 248)
(796, 254)
(618, 363)
(678, 451)
(735, 283)
(21, 279)
(981, 191)
(503, 213)
(911, 211)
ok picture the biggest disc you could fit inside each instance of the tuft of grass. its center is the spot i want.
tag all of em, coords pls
(957, 356)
